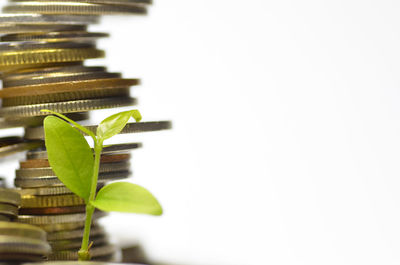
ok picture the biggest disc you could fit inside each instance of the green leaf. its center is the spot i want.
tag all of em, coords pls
(77, 125)
(70, 156)
(115, 123)
(127, 197)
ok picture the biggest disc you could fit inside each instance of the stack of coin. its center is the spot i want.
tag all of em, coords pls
(43, 48)
(19, 242)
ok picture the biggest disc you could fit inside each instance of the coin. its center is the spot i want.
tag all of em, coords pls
(38, 163)
(47, 171)
(46, 181)
(8, 210)
(57, 245)
(66, 96)
(10, 196)
(112, 149)
(24, 28)
(137, 127)
(58, 87)
(52, 210)
(51, 201)
(18, 244)
(41, 56)
(66, 107)
(55, 36)
(72, 8)
(73, 234)
(22, 230)
(52, 227)
(95, 252)
(57, 219)
(38, 19)
(107, 2)
(11, 145)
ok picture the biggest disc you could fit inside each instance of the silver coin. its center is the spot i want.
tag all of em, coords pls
(17, 146)
(66, 107)
(113, 149)
(25, 19)
(34, 133)
(67, 244)
(73, 234)
(33, 45)
(56, 36)
(47, 171)
(46, 181)
(18, 244)
(57, 219)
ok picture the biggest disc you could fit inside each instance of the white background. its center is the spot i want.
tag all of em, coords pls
(286, 140)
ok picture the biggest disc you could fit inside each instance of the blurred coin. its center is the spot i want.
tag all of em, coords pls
(95, 252)
(136, 127)
(52, 210)
(38, 19)
(8, 210)
(51, 201)
(113, 149)
(22, 230)
(10, 196)
(18, 244)
(57, 219)
(46, 181)
(57, 190)
(11, 145)
(73, 234)
(38, 163)
(67, 244)
(53, 227)
(47, 171)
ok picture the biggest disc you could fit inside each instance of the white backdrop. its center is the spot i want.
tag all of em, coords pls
(286, 140)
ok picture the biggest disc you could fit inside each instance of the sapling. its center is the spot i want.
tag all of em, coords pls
(72, 160)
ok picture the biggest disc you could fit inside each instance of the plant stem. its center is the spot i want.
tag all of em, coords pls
(83, 253)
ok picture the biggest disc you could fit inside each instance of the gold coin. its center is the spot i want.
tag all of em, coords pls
(45, 56)
(22, 230)
(29, 201)
(81, 85)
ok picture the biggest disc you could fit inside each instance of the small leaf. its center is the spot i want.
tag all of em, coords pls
(70, 156)
(127, 197)
(115, 123)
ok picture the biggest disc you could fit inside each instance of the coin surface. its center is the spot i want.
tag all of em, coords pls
(22, 230)
(72, 8)
(57, 219)
(51, 201)
(10, 196)
(66, 107)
